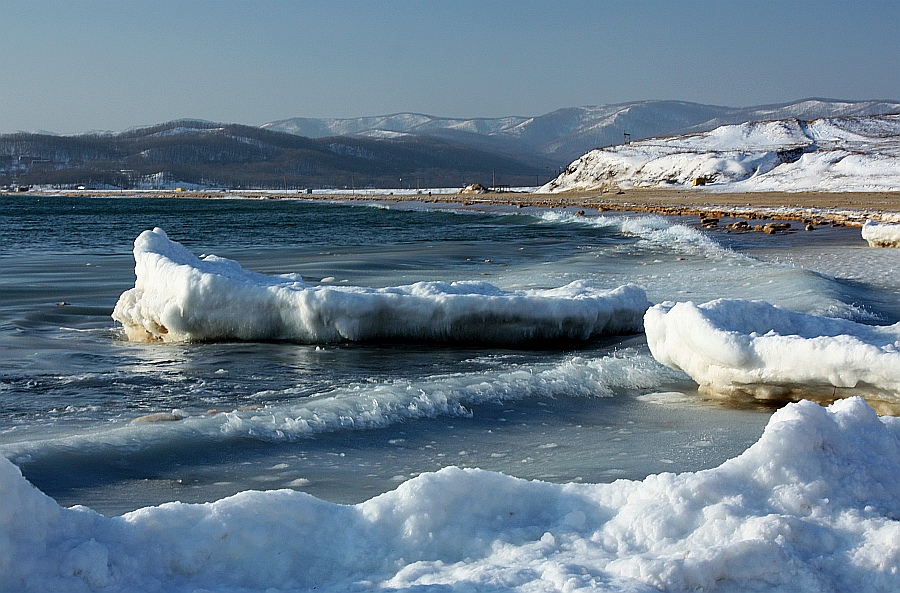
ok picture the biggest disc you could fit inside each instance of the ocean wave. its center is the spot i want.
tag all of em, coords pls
(652, 231)
(366, 405)
(729, 273)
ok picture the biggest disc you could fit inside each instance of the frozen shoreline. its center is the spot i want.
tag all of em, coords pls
(811, 506)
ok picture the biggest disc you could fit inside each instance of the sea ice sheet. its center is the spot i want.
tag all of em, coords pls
(881, 234)
(178, 297)
(738, 347)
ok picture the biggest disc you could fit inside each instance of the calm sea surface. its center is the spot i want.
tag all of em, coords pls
(347, 422)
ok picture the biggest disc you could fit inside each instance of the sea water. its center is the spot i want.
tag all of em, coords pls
(345, 422)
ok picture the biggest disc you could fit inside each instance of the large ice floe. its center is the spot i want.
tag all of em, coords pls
(178, 297)
(881, 234)
(813, 506)
(754, 349)
(833, 154)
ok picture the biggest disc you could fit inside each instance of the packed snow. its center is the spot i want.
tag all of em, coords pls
(811, 507)
(881, 234)
(751, 348)
(835, 154)
(178, 297)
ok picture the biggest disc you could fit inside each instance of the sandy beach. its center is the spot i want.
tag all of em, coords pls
(837, 208)
(851, 208)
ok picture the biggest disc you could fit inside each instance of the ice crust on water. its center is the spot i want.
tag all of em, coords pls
(881, 234)
(180, 298)
(812, 506)
(735, 347)
(372, 405)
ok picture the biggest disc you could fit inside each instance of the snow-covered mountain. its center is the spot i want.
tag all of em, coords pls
(828, 154)
(201, 153)
(565, 134)
(398, 123)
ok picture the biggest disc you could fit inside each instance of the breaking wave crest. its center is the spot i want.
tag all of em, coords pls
(372, 405)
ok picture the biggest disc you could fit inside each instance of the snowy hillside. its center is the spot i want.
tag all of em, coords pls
(832, 154)
(399, 122)
(565, 134)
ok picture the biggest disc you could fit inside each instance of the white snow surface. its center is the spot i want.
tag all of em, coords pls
(881, 234)
(178, 297)
(834, 154)
(734, 347)
(813, 506)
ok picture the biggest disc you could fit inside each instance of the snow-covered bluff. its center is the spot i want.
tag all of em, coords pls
(831, 154)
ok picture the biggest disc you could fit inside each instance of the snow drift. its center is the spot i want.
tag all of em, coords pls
(178, 297)
(811, 507)
(881, 235)
(835, 154)
(753, 349)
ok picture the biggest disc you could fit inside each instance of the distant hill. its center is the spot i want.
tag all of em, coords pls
(828, 154)
(236, 156)
(566, 134)
(402, 150)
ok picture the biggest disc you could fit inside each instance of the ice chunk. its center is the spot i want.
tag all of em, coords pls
(751, 348)
(178, 297)
(881, 235)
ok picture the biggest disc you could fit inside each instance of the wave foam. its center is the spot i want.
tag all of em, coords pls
(652, 231)
(371, 405)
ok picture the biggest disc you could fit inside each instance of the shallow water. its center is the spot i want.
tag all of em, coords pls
(346, 422)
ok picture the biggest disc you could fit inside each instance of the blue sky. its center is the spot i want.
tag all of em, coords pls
(70, 66)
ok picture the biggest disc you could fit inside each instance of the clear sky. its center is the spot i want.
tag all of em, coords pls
(70, 66)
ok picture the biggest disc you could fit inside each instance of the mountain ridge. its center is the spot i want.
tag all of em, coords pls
(565, 134)
(197, 152)
(377, 151)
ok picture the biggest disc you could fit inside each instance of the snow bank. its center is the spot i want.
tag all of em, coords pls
(752, 348)
(178, 297)
(811, 507)
(835, 154)
(881, 235)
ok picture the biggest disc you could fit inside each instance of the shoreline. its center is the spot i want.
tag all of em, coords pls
(816, 208)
